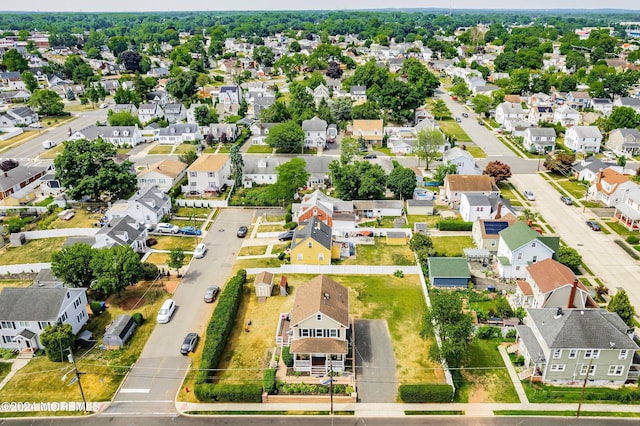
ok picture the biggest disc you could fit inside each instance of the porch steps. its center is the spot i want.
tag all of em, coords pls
(319, 371)
(512, 349)
(25, 354)
(525, 374)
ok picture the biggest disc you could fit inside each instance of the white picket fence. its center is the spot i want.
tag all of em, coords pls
(24, 267)
(337, 269)
(54, 233)
(183, 202)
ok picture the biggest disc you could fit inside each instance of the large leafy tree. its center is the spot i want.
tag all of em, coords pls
(301, 104)
(360, 180)
(123, 118)
(205, 116)
(369, 110)
(237, 165)
(292, 176)
(286, 137)
(131, 60)
(443, 170)
(72, 265)
(276, 113)
(264, 56)
(183, 85)
(623, 117)
(621, 305)
(402, 181)
(46, 102)
(349, 148)
(570, 257)
(341, 109)
(87, 169)
(440, 110)
(77, 69)
(14, 61)
(498, 170)
(29, 81)
(56, 339)
(428, 145)
(115, 269)
(176, 259)
(127, 96)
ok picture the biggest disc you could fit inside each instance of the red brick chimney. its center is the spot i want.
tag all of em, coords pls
(572, 295)
(499, 211)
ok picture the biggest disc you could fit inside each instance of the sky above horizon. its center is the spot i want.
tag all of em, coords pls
(167, 5)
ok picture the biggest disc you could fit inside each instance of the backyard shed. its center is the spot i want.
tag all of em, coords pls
(263, 284)
(119, 332)
(420, 207)
(449, 271)
(397, 238)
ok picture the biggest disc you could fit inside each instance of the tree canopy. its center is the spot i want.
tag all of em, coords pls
(46, 102)
(402, 181)
(286, 137)
(360, 180)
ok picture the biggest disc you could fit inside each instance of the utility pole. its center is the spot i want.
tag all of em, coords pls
(77, 374)
(584, 385)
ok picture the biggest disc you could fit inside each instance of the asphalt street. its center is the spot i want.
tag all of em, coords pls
(154, 381)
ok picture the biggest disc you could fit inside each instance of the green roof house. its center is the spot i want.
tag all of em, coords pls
(520, 246)
(449, 271)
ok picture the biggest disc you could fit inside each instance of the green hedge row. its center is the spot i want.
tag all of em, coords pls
(269, 380)
(426, 393)
(287, 358)
(454, 225)
(220, 325)
(248, 392)
(626, 248)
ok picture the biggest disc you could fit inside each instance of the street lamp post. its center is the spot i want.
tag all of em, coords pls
(77, 378)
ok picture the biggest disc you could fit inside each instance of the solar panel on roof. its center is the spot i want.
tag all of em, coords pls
(492, 228)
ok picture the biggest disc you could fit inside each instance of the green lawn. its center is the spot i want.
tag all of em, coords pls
(34, 251)
(452, 128)
(542, 394)
(252, 250)
(186, 222)
(193, 212)
(452, 246)
(383, 222)
(431, 221)
(184, 148)
(385, 151)
(381, 254)
(166, 242)
(476, 151)
(564, 413)
(507, 190)
(259, 149)
(5, 367)
(161, 150)
(271, 228)
(575, 189)
(621, 230)
(51, 153)
(277, 248)
(491, 383)
(161, 259)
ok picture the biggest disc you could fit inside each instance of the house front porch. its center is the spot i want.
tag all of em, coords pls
(628, 217)
(319, 364)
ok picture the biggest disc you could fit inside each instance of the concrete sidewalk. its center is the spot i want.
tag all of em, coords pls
(514, 376)
(16, 364)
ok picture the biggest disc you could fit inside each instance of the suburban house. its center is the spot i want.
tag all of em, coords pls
(540, 114)
(320, 327)
(311, 244)
(122, 231)
(321, 93)
(420, 207)
(475, 207)
(223, 132)
(509, 111)
(147, 112)
(263, 284)
(602, 105)
(449, 272)
(259, 170)
(50, 186)
(624, 142)
(14, 182)
(358, 93)
(401, 146)
(130, 108)
(627, 102)
(162, 175)
(324, 208)
(628, 212)
(176, 134)
(229, 95)
(26, 311)
(262, 102)
(115, 135)
(539, 139)
(159, 97)
(208, 174)
(315, 133)
(371, 131)
(147, 206)
(464, 161)
(567, 346)
(588, 168)
(550, 284)
(566, 116)
(22, 116)
(259, 132)
(578, 100)
(455, 185)
(174, 113)
(519, 246)
(610, 187)
(583, 139)
(371, 209)
(485, 232)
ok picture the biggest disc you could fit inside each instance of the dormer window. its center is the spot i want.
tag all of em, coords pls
(116, 133)
(125, 133)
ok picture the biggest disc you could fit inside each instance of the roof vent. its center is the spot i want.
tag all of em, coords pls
(327, 296)
(559, 313)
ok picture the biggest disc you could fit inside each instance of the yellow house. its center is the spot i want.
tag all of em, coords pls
(311, 244)
(370, 130)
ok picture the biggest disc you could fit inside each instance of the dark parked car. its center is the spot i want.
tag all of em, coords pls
(567, 200)
(211, 294)
(480, 122)
(190, 230)
(370, 156)
(190, 343)
(465, 115)
(242, 232)
(593, 225)
(286, 236)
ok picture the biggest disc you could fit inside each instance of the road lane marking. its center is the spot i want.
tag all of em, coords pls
(133, 390)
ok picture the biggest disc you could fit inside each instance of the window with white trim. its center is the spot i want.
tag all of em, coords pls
(7, 324)
(310, 244)
(615, 370)
(299, 256)
(584, 367)
(24, 323)
(573, 353)
(623, 354)
(334, 332)
(319, 317)
(557, 353)
(305, 332)
(319, 332)
(592, 354)
(558, 367)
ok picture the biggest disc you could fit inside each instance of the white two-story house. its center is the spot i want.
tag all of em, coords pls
(315, 133)
(539, 139)
(147, 112)
(509, 111)
(208, 174)
(628, 211)
(520, 246)
(147, 206)
(583, 139)
(464, 161)
(26, 311)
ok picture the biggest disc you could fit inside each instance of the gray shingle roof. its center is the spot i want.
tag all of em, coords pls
(313, 229)
(543, 132)
(582, 328)
(124, 230)
(588, 132)
(314, 125)
(33, 303)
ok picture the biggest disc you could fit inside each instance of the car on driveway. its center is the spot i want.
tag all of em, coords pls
(167, 228)
(286, 236)
(567, 200)
(189, 344)
(529, 195)
(242, 231)
(200, 250)
(593, 225)
(211, 294)
(190, 230)
(370, 156)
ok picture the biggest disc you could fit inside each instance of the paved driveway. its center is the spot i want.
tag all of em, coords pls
(154, 381)
(605, 258)
(375, 362)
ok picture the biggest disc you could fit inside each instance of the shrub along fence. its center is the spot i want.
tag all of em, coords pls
(217, 334)
(426, 393)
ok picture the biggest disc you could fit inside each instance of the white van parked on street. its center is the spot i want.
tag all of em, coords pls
(48, 144)
(166, 311)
